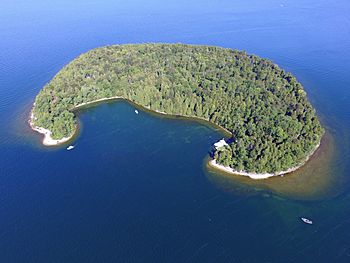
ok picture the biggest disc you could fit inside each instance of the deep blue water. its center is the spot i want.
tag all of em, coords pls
(135, 188)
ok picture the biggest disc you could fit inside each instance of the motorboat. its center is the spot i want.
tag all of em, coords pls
(70, 147)
(306, 221)
(136, 111)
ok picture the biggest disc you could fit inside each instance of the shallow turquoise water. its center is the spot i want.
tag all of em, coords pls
(135, 188)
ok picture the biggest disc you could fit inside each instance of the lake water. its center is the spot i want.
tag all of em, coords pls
(136, 188)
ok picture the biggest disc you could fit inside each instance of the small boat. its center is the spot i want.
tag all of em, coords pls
(136, 111)
(306, 221)
(70, 147)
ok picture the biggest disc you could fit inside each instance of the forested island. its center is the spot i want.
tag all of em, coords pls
(273, 126)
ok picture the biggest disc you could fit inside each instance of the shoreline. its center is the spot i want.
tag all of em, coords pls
(94, 101)
(257, 176)
(49, 141)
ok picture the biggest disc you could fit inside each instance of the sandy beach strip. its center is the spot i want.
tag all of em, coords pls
(48, 140)
(226, 169)
(258, 176)
(94, 101)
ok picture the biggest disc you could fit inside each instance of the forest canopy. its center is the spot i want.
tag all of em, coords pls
(266, 109)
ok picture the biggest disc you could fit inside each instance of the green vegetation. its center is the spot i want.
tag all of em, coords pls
(273, 125)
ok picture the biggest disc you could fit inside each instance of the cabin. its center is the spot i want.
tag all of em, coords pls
(220, 144)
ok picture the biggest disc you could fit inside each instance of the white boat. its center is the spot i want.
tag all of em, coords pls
(306, 221)
(136, 111)
(70, 147)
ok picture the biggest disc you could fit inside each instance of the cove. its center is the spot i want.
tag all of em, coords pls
(312, 181)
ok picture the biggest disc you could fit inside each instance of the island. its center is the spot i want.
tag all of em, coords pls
(273, 128)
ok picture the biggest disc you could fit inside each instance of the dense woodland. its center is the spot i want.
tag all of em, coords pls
(273, 125)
